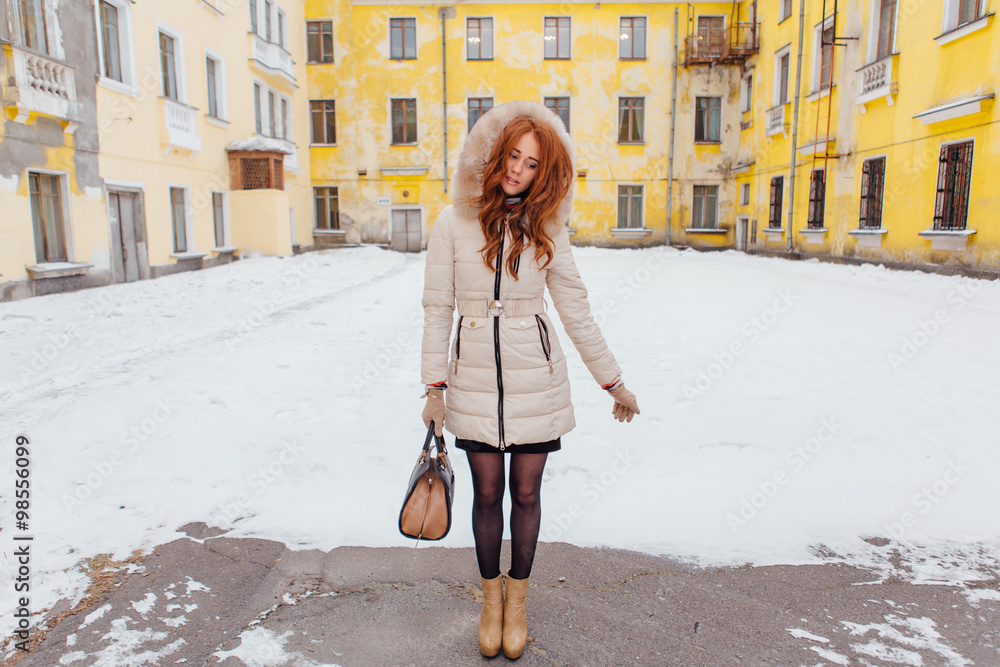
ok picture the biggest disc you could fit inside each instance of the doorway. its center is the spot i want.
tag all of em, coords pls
(407, 228)
(742, 233)
(129, 258)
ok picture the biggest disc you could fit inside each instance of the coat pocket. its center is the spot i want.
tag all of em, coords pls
(543, 335)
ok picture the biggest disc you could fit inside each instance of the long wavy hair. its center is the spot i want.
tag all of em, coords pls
(538, 203)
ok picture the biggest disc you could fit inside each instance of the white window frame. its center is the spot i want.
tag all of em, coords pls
(188, 224)
(875, 26)
(64, 204)
(642, 206)
(949, 21)
(126, 49)
(746, 92)
(778, 55)
(220, 86)
(781, 16)
(257, 90)
(817, 64)
(492, 29)
(52, 29)
(718, 194)
(645, 44)
(225, 221)
(281, 24)
(285, 120)
(179, 60)
(744, 190)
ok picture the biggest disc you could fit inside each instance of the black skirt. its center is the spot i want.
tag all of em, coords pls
(530, 448)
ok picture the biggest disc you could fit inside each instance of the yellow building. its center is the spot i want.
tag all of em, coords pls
(52, 234)
(893, 127)
(201, 113)
(395, 87)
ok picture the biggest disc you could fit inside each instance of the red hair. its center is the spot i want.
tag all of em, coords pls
(538, 203)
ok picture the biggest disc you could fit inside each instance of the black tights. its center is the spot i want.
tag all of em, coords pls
(487, 510)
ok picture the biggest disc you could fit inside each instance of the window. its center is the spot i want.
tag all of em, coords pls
(282, 20)
(711, 35)
(404, 121)
(257, 115)
(285, 120)
(219, 219)
(27, 23)
(872, 184)
(327, 208)
(324, 121)
(968, 11)
(178, 216)
(745, 194)
(632, 38)
(630, 120)
(253, 16)
(774, 209)
(782, 61)
(47, 217)
(629, 207)
(403, 39)
(272, 116)
(211, 80)
(823, 56)
(168, 66)
(319, 38)
(707, 119)
(704, 210)
(746, 93)
(557, 37)
(479, 39)
(111, 49)
(561, 106)
(477, 107)
(886, 28)
(784, 9)
(951, 207)
(268, 9)
(817, 199)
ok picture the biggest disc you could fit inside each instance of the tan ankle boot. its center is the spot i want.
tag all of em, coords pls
(491, 619)
(515, 617)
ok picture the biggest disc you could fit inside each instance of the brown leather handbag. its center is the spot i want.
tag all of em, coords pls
(426, 512)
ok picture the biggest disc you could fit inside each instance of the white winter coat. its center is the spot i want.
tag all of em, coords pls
(506, 374)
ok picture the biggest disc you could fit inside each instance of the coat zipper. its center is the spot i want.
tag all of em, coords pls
(496, 334)
(543, 334)
(458, 342)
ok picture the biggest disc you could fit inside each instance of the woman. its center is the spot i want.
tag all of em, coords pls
(492, 253)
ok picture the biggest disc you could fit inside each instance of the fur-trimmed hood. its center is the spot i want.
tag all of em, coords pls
(467, 183)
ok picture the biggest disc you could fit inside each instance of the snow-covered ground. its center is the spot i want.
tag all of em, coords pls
(790, 410)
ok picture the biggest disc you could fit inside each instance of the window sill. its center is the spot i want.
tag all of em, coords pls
(119, 86)
(631, 232)
(218, 122)
(225, 250)
(476, 60)
(399, 60)
(192, 254)
(404, 171)
(406, 144)
(328, 145)
(867, 232)
(57, 270)
(820, 94)
(631, 143)
(319, 62)
(633, 59)
(557, 59)
(774, 231)
(963, 30)
(712, 231)
(329, 232)
(947, 239)
(868, 238)
(707, 143)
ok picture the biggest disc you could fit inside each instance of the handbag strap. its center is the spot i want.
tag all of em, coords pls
(438, 442)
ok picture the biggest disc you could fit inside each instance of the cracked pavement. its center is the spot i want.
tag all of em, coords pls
(194, 601)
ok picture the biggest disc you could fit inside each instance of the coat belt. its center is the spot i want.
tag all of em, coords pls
(511, 307)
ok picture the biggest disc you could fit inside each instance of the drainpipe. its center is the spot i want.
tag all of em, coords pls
(673, 123)
(795, 124)
(444, 96)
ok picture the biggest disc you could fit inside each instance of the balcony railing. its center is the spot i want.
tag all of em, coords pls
(40, 85)
(727, 46)
(273, 57)
(179, 120)
(775, 120)
(875, 81)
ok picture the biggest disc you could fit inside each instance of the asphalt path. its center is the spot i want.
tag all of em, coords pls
(204, 600)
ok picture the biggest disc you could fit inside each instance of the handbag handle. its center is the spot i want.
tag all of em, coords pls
(438, 442)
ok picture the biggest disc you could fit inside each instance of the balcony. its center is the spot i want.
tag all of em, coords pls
(272, 57)
(775, 120)
(875, 81)
(724, 46)
(40, 85)
(179, 122)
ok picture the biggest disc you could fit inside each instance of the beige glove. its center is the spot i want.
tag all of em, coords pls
(434, 410)
(625, 406)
